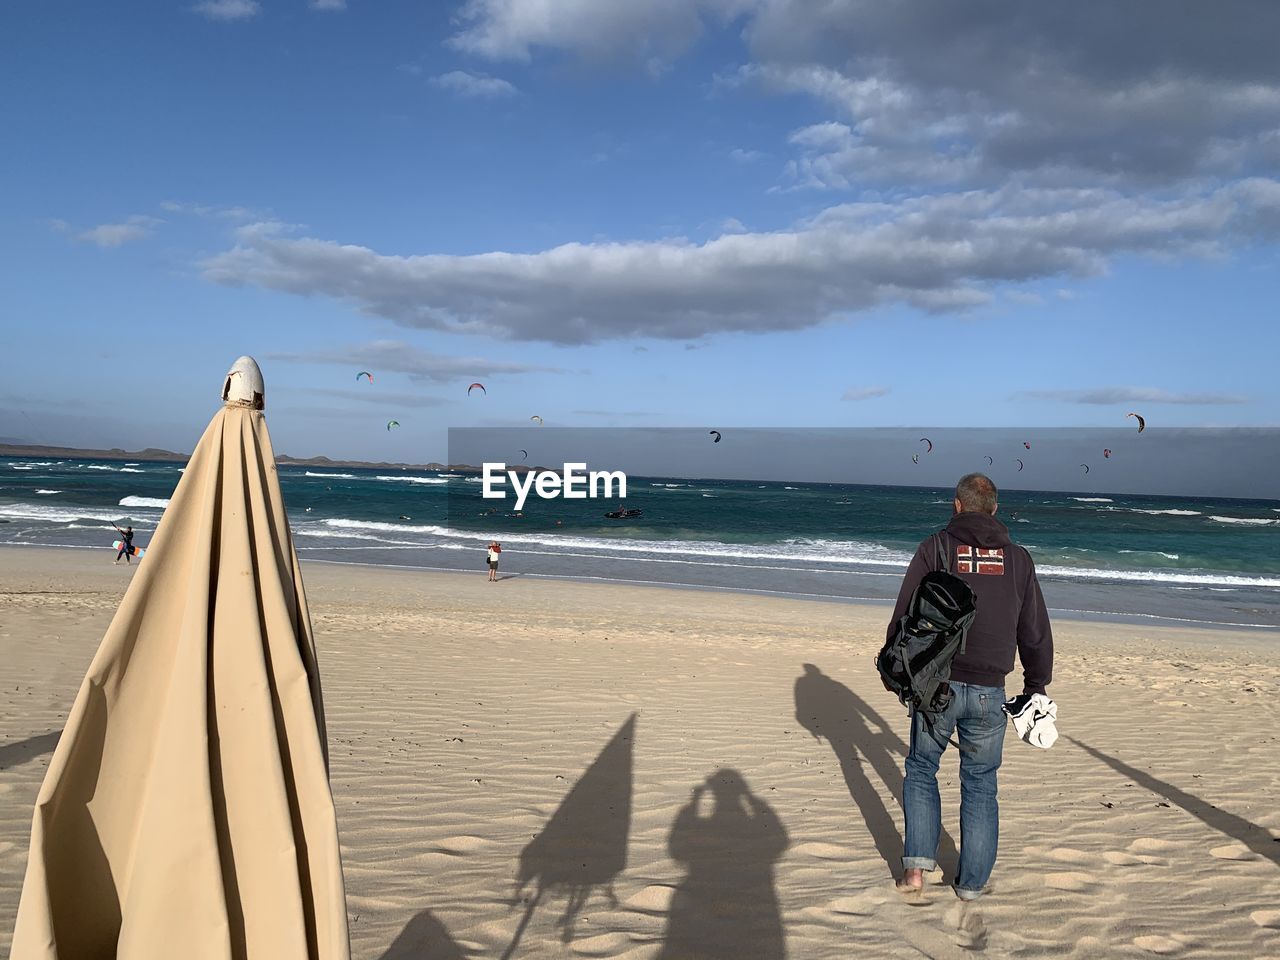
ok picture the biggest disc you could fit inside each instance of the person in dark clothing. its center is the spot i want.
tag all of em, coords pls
(1011, 618)
(126, 546)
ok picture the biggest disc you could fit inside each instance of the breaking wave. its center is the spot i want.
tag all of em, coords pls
(158, 502)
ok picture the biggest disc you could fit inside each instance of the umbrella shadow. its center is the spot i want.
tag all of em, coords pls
(584, 844)
(23, 751)
(726, 906)
(424, 938)
(860, 737)
(1256, 838)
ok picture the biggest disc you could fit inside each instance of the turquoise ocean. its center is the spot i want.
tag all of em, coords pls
(1158, 559)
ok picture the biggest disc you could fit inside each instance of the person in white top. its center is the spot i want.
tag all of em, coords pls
(495, 551)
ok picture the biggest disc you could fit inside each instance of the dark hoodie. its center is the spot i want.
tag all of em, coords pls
(1011, 612)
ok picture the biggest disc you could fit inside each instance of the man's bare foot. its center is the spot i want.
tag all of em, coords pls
(912, 881)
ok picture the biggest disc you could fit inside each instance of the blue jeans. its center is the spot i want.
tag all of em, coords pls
(976, 715)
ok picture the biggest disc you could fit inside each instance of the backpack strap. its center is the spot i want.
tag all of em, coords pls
(942, 547)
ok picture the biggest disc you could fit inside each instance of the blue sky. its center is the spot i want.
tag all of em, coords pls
(722, 212)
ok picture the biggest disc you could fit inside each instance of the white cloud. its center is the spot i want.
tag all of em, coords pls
(932, 93)
(649, 32)
(823, 136)
(936, 253)
(112, 234)
(741, 155)
(328, 5)
(864, 393)
(228, 9)
(1116, 395)
(733, 225)
(1057, 93)
(395, 356)
(474, 85)
(206, 210)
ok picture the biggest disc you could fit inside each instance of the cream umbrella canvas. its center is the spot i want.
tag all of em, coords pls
(186, 811)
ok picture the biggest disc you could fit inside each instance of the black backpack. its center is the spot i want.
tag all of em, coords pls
(915, 663)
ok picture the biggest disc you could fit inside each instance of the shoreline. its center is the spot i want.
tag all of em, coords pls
(1101, 617)
(1146, 560)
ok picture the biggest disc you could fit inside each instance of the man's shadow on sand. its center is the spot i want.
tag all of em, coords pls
(859, 735)
(584, 844)
(1256, 838)
(726, 907)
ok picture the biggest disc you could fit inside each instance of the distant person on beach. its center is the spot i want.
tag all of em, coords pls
(495, 552)
(126, 545)
(1011, 617)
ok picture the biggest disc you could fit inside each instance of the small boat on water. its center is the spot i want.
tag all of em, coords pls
(624, 514)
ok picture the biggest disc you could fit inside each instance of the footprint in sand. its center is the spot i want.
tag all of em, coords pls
(863, 905)
(605, 945)
(655, 898)
(1157, 944)
(1068, 855)
(1121, 859)
(824, 851)
(460, 846)
(1151, 845)
(970, 928)
(1074, 881)
(1266, 918)
(1233, 851)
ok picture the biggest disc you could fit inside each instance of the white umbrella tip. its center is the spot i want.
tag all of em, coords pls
(243, 385)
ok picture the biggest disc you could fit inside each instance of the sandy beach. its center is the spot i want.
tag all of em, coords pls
(513, 765)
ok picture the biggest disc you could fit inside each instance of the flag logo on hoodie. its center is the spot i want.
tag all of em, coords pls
(979, 560)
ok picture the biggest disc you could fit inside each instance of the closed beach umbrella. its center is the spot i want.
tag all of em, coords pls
(186, 811)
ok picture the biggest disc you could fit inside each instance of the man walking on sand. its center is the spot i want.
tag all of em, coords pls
(1011, 616)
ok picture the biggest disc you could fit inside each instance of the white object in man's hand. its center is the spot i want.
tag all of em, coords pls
(1034, 718)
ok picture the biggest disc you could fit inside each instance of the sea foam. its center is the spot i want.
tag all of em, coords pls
(158, 502)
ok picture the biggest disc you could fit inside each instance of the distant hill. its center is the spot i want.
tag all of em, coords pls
(75, 453)
(26, 450)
